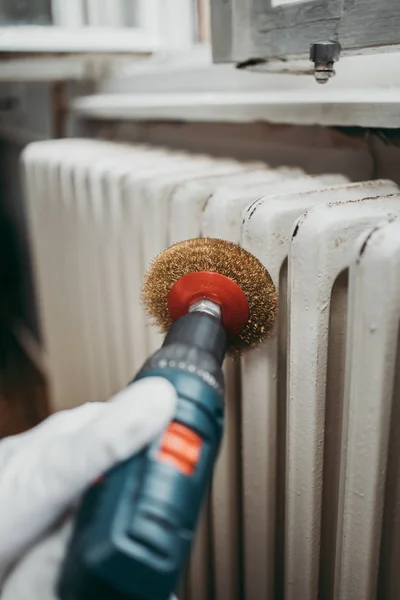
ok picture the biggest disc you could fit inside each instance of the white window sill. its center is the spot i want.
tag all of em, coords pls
(365, 93)
(34, 54)
(72, 67)
(187, 87)
(335, 109)
(37, 40)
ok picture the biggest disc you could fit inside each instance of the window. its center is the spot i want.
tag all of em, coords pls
(25, 12)
(170, 24)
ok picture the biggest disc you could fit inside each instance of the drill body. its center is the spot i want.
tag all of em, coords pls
(135, 526)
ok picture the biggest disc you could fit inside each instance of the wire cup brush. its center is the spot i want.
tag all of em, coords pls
(203, 272)
(135, 527)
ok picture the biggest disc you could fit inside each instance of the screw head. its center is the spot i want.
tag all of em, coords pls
(325, 52)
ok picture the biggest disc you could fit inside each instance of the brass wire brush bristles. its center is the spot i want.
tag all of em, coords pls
(214, 256)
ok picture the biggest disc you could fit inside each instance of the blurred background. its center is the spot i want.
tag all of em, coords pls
(50, 52)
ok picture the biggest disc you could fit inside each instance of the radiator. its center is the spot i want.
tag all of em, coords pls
(305, 502)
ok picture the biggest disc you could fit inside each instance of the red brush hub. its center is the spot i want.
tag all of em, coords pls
(215, 287)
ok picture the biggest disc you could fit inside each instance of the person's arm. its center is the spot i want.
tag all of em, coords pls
(44, 472)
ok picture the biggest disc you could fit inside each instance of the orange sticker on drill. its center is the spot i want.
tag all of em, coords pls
(181, 447)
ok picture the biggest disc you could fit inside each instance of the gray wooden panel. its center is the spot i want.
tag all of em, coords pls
(254, 29)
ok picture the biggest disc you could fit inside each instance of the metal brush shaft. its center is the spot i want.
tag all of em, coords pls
(208, 307)
(135, 527)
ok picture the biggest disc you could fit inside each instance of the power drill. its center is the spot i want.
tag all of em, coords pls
(135, 526)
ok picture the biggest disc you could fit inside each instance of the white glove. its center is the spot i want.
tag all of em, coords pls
(44, 472)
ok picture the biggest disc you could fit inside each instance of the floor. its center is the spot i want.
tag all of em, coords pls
(23, 393)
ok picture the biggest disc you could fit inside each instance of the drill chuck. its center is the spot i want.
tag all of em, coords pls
(134, 528)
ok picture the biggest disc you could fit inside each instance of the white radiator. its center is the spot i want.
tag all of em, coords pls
(305, 503)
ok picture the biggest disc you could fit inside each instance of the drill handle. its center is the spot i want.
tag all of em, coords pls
(135, 527)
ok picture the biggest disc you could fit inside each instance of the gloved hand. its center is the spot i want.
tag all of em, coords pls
(43, 472)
